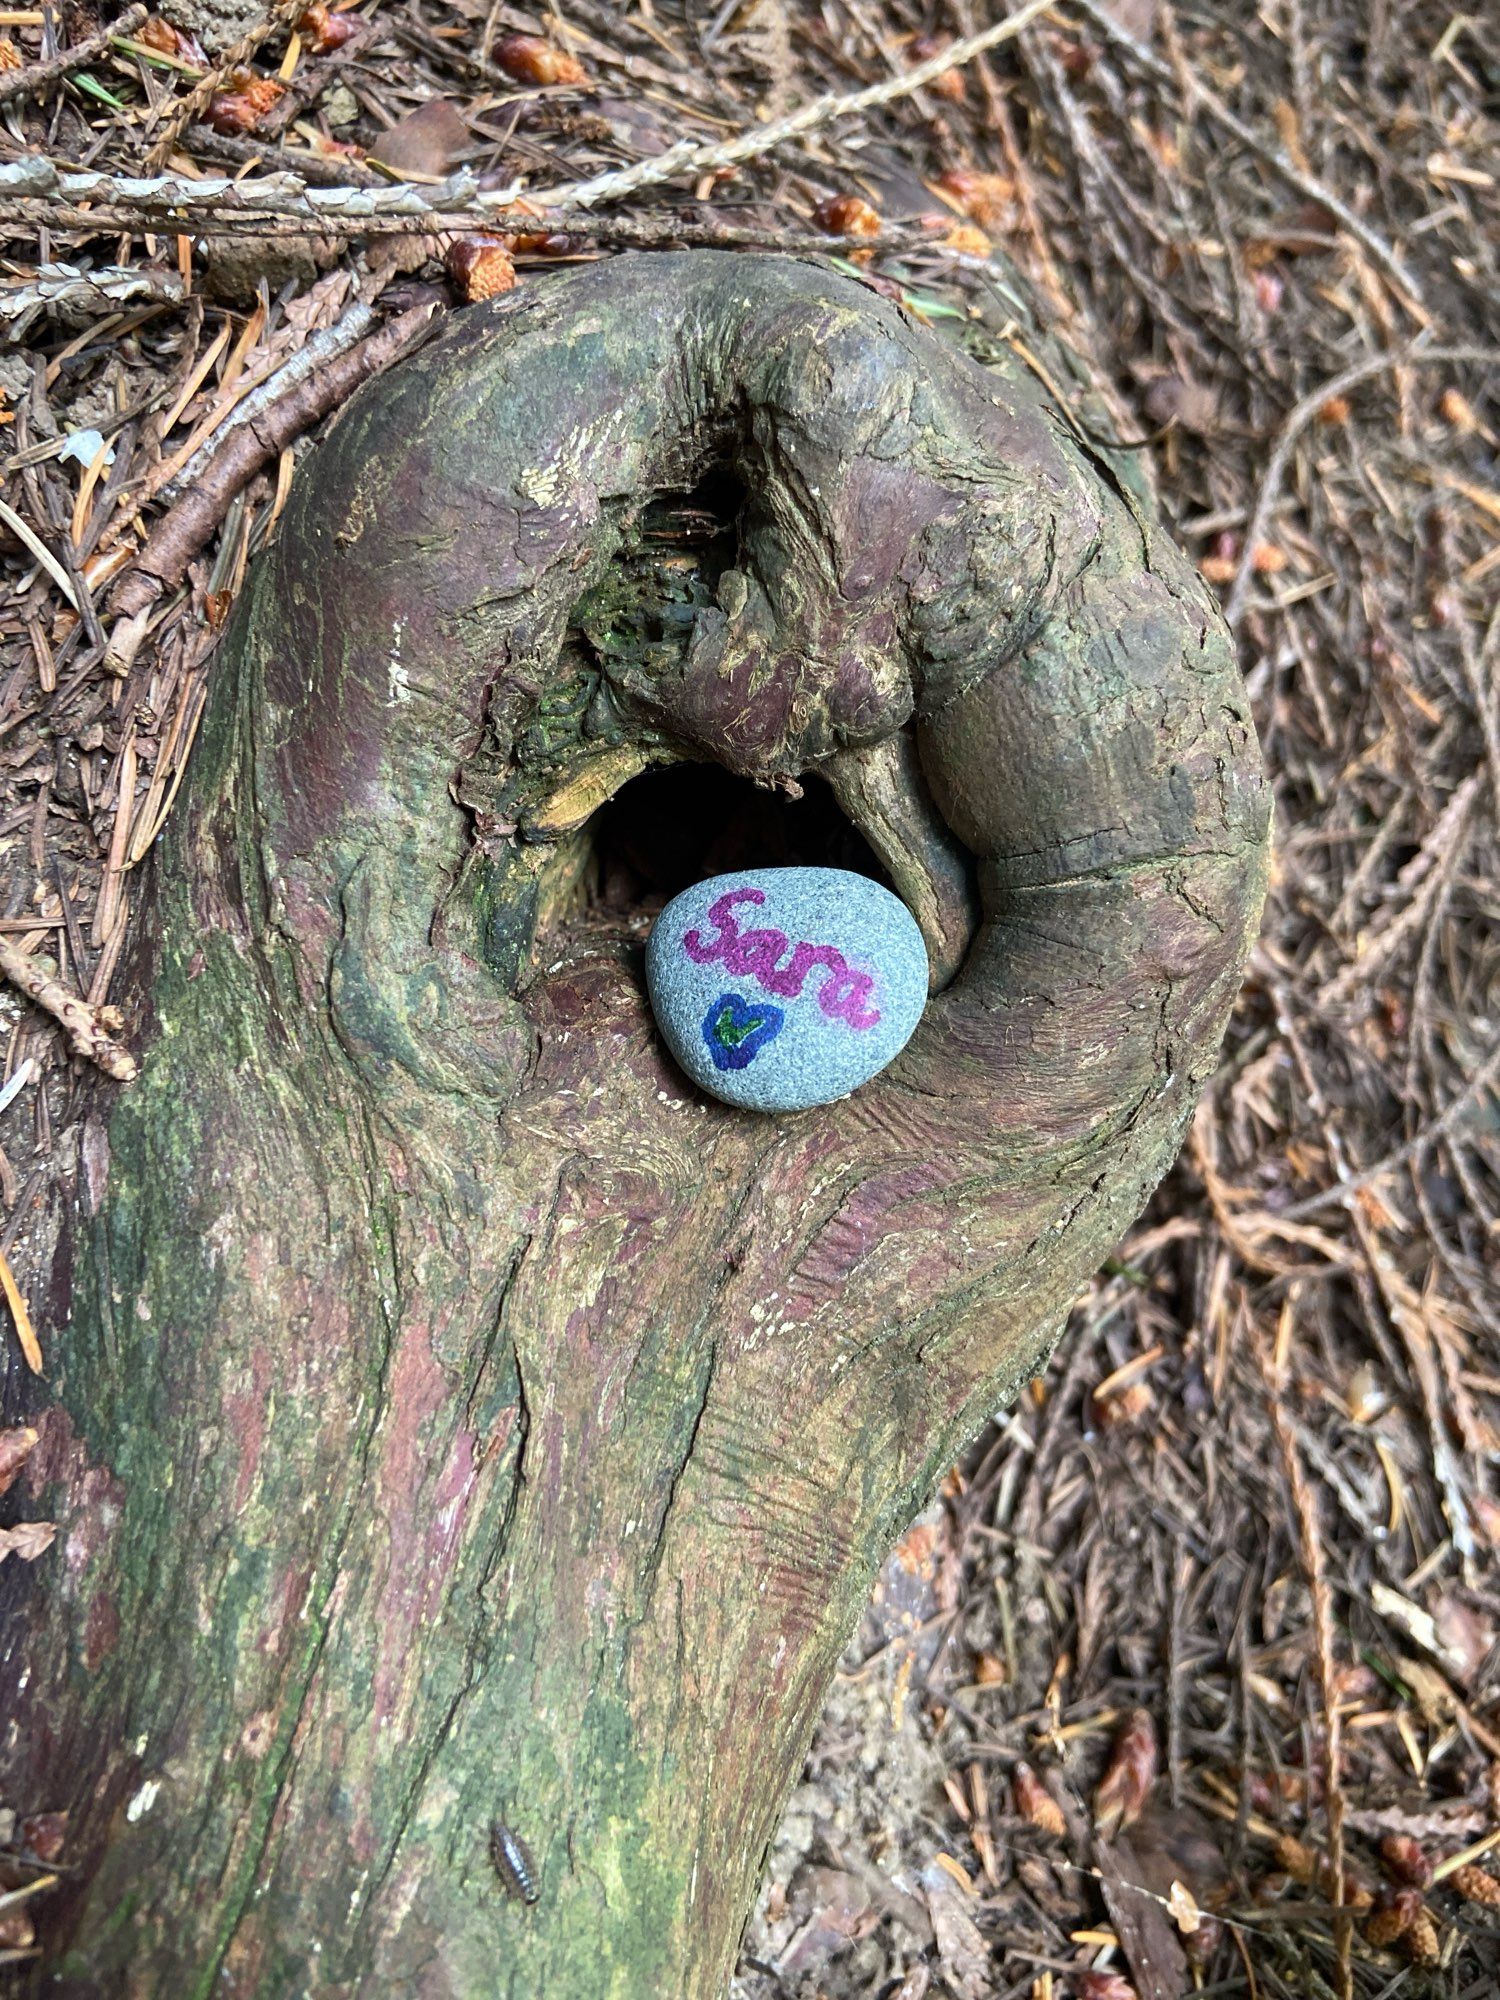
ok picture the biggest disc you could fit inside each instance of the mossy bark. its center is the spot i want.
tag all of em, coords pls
(459, 1419)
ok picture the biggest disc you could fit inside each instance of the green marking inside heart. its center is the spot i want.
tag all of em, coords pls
(732, 1032)
(736, 1031)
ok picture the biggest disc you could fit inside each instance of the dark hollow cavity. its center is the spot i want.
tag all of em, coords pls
(672, 827)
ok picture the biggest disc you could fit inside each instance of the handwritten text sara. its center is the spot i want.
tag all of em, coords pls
(758, 954)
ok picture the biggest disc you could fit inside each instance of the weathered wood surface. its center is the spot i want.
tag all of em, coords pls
(457, 1419)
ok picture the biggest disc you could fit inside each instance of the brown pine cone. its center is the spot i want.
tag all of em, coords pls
(1035, 1803)
(528, 59)
(1393, 1916)
(479, 265)
(1476, 1885)
(1405, 1861)
(1421, 1941)
(847, 215)
(1295, 1858)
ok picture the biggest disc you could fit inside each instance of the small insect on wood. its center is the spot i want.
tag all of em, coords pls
(513, 1863)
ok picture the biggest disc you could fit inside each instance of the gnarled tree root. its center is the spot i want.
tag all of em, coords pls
(459, 1419)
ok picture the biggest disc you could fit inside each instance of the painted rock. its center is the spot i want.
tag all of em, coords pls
(779, 988)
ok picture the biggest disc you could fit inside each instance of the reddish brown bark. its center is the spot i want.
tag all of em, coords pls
(459, 1420)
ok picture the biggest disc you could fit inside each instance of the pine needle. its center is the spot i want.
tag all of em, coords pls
(30, 1347)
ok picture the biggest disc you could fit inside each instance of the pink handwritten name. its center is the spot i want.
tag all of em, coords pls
(757, 955)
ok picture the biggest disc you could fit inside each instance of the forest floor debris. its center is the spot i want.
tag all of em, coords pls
(1190, 1680)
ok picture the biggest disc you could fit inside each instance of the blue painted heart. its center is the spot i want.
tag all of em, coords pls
(736, 1029)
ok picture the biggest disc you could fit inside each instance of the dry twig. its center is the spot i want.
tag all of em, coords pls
(37, 193)
(64, 288)
(163, 562)
(39, 77)
(91, 1030)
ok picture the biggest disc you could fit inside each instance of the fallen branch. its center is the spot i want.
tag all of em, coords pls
(42, 195)
(64, 288)
(265, 432)
(89, 1029)
(320, 349)
(662, 230)
(39, 77)
(177, 202)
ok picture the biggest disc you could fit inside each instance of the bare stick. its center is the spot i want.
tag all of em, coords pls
(35, 187)
(318, 351)
(88, 1028)
(36, 193)
(38, 77)
(62, 288)
(163, 562)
